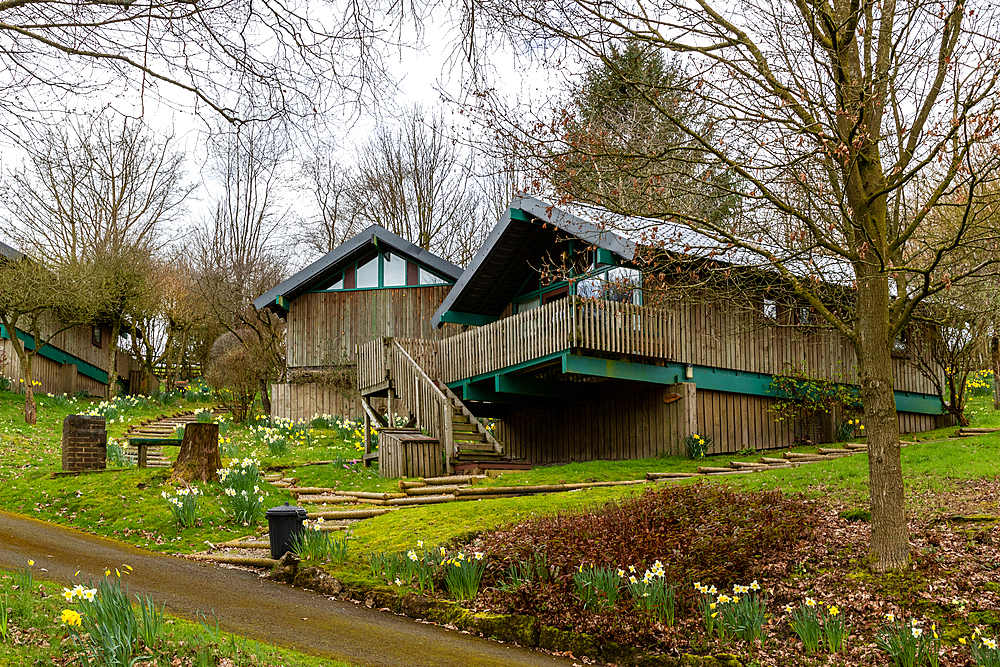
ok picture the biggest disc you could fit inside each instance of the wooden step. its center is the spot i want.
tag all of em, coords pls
(464, 436)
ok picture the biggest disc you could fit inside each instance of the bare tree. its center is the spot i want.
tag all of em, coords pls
(99, 193)
(416, 182)
(333, 188)
(40, 300)
(235, 254)
(847, 122)
(288, 56)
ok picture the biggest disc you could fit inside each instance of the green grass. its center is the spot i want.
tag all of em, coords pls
(127, 505)
(41, 638)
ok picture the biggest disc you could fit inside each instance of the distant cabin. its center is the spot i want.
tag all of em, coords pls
(374, 285)
(75, 360)
(566, 349)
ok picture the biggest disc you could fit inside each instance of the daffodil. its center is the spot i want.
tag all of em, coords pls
(71, 617)
(990, 644)
(810, 602)
(834, 610)
(68, 594)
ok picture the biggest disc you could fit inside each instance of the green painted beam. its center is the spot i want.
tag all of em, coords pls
(60, 357)
(507, 369)
(714, 379)
(281, 302)
(518, 214)
(482, 391)
(512, 384)
(473, 319)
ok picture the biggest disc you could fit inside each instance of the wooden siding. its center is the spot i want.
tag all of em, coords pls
(626, 424)
(56, 377)
(718, 335)
(303, 401)
(634, 423)
(325, 327)
(738, 421)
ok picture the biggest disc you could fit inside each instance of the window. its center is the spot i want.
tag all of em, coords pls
(367, 275)
(393, 271)
(384, 269)
(95, 335)
(525, 306)
(770, 309)
(619, 284)
(804, 314)
(428, 278)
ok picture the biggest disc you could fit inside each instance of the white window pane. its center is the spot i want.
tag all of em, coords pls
(367, 275)
(339, 284)
(428, 278)
(393, 271)
(525, 306)
(770, 309)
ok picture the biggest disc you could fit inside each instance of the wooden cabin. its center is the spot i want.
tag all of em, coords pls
(74, 360)
(373, 285)
(567, 350)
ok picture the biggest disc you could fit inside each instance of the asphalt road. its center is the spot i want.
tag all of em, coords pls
(249, 605)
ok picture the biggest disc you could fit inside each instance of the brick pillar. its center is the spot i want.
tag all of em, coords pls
(84, 443)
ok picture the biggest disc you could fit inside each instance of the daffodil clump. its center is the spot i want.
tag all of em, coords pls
(741, 614)
(279, 435)
(117, 409)
(807, 624)
(907, 644)
(463, 574)
(598, 587)
(697, 446)
(403, 568)
(203, 415)
(241, 485)
(103, 623)
(651, 593)
(315, 544)
(985, 652)
(980, 383)
(24, 577)
(183, 505)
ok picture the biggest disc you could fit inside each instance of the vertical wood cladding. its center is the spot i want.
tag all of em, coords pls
(634, 423)
(325, 327)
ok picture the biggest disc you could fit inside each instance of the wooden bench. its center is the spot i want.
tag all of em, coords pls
(142, 444)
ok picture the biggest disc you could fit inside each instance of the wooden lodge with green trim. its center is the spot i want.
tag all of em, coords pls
(74, 360)
(373, 285)
(553, 333)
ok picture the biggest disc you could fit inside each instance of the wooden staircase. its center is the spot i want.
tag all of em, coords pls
(473, 442)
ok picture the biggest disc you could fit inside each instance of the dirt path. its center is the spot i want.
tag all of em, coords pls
(248, 605)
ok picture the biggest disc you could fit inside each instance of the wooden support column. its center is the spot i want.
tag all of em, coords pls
(69, 379)
(447, 415)
(390, 405)
(681, 413)
(368, 437)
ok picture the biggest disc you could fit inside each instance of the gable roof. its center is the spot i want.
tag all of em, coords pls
(527, 229)
(8, 252)
(319, 272)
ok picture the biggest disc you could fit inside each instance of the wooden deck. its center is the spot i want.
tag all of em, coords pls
(712, 335)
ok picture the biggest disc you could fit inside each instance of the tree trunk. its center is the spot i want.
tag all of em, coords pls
(199, 456)
(995, 365)
(30, 409)
(265, 397)
(889, 534)
(113, 363)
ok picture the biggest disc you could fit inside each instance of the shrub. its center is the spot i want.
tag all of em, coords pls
(749, 527)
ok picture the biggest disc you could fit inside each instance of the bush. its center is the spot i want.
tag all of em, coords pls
(667, 524)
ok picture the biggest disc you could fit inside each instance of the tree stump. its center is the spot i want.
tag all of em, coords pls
(199, 456)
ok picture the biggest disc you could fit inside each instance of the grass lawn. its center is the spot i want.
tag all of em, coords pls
(943, 478)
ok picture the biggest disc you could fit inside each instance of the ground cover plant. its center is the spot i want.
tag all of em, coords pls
(100, 623)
